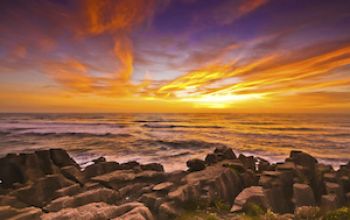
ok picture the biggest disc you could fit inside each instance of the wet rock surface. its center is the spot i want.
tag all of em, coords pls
(49, 184)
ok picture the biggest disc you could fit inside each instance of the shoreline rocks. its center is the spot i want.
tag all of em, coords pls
(49, 184)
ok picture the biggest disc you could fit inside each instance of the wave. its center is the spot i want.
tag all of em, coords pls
(74, 134)
(180, 126)
(188, 144)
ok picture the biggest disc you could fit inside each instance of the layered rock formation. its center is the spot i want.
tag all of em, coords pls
(49, 184)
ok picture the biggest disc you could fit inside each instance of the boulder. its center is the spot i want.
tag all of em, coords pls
(303, 195)
(168, 210)
(119, 178)
(10, 173)
(28, 213)
(224, 152)
(153, 166)
(303, 159)
(335, 188)
(165, 186)
(329, 202)
(130, 165)
(69, 190)
(100, 169)
(102, 210)
(307, 212)
(97, 195)
(42, 191)
(251, 195)
(73, 173)
(211, 158)
(195, 165)
(99, 160)
(61, 158)
(214, 183)
(248, 162)
(8, 200)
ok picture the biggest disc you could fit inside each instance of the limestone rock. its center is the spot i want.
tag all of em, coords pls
(303, 195)
(247, 161)
(303, 159)
(100, 169)
(102, 210)
(195, 165)
(224, 152)
(42, 191)
(99, 160)
(28, 213)
(61, 158)
(329, 202)
(253, 194)
(97, 195)
(153, 166)
(73, 173)
(165, 186)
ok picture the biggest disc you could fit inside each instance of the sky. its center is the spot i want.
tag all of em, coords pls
(256, 56)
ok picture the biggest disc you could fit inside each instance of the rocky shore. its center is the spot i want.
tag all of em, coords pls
(49, 184)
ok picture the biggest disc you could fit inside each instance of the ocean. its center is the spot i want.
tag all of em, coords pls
(172, 139)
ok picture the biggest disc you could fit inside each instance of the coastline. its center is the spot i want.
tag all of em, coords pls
(49, 184)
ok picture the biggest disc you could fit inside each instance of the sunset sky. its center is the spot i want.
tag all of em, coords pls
(175, 56)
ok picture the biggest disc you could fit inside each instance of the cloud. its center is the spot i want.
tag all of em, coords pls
(121, 15)
(230, 11)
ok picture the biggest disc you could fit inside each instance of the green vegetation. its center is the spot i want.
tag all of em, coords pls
(253, 209)
(198, 214)
(221, 206)
(339, 214)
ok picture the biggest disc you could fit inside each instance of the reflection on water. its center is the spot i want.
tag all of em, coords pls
(171, 139)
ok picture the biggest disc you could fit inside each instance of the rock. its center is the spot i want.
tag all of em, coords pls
(28, 213)
(7, 200)
(69, 190)
(46, 163)
(166, 186)
(100, 169)
(248, 162)
(211, 159)
(102, 210)
(250, 195)
(237, 166)
(41, 192)
(195, 165)
(329, 202)
(334, 188)
(303, 159)
(277, 201)
(99, 160)
(153, 166)
(262, 165)
(73, 173)
(130, 165)
(61, 158)
(249, 178)
(152, 200)
(215, 182)
(303, 195)
(10, 173)
(168, 211)
(175, 176)
(118, 178)
(307, 212)
(330, 177)
(97, 195)
(224, 152)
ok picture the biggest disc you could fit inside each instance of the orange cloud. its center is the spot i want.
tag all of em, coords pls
(109, 15)
(264, 80)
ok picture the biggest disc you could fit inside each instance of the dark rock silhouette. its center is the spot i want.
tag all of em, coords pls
(49, 184)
